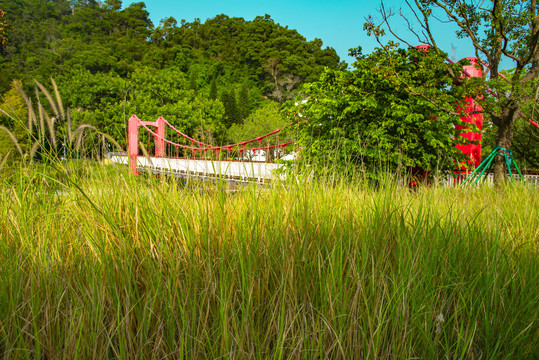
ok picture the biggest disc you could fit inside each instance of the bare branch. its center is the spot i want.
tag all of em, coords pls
(385, 18)
(465, 27)
(432, 41)
(411, 29)
(425, 24)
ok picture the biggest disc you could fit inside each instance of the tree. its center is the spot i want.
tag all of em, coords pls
(263, 120)
(112, 4)
(282, 83)
(368, 118)
(193, 80)
(165, 33)
(228, 98)
(526, 145)
(97, 50)
(136, 21)
(243, 102)
(498, 29)
(213, 88)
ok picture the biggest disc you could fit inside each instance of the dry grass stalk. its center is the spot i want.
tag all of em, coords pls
(69, 132)
(109, 138)
(146, 155)
(80, 132)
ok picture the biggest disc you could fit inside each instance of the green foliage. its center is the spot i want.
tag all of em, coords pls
(193, 80)
(12, 113)
(232, 115)
(368, 119)
(262, 121)
(526, 145)
(107, 100)
(243, 102)
(213, 88)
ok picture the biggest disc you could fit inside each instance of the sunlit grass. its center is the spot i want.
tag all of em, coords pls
(101, 264)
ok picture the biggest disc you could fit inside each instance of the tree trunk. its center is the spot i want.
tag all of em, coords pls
(504, 139)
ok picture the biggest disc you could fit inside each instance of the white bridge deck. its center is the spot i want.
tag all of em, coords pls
(232, 171)
(242, 171)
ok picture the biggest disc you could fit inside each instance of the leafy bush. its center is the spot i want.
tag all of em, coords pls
(366, 118)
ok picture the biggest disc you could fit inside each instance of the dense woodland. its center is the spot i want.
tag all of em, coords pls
(111, 61)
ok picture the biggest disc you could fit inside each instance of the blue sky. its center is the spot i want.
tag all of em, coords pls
(339, 23)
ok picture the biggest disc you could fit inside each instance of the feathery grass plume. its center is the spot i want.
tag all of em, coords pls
(69, 132)
(50, 123)
(41, 120)
(80, 132)
(58, 99)
(48, 96)
(109, 138)
(7, 114)
(4, 159)
(146, 155)
(45, 120)
(32, 119)
(31, 113)
(13, 138)
(33, 149)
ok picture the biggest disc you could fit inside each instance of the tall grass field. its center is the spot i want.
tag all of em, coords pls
(98, 264)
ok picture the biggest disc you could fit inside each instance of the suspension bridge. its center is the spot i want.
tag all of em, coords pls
(160, 148)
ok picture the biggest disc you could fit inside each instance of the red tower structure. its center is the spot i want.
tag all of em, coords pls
(473, 115)
(132, 139)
